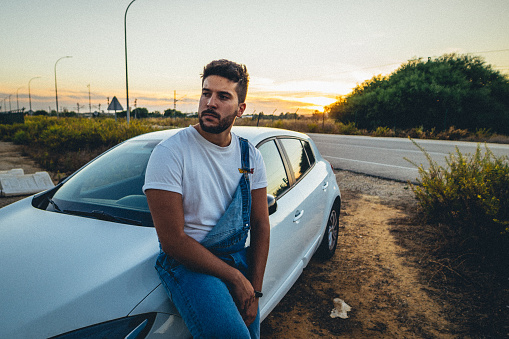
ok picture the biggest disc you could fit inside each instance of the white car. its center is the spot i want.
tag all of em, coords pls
(78, 260)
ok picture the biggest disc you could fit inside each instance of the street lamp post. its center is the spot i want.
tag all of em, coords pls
(56, 92)
(17, 99)
(126, 77)
(89, 102)
(29, 97)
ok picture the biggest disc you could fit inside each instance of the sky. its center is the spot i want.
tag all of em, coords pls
(301, 54)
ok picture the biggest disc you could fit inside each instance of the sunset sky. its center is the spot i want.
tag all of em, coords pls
(300, 54)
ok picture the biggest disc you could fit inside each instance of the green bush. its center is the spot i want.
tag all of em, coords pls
(65, 144)
(21, 138)
(349, 128)
(470, 197)
(313, 127)
(383, 132)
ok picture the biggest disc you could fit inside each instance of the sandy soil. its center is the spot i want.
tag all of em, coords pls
(382, 269)
(386, 271)
(369, 272)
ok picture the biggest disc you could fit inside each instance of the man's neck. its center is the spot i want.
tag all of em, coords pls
(222, 139)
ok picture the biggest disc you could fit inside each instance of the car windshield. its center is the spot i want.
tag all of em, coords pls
(110, 187)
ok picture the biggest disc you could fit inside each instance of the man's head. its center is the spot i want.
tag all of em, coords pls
(231, 71)
(224, 88)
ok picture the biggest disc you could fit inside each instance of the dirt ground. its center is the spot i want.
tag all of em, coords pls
(370, 272)
(382, 269)
(385, 268)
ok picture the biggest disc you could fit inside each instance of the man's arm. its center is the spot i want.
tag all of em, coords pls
(168, 216)
(260, 239)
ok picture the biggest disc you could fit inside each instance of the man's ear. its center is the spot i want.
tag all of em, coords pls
(242, 108)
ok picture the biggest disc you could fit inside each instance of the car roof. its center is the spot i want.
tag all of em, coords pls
(252, 133)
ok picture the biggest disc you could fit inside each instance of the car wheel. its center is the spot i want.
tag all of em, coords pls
(330, 237)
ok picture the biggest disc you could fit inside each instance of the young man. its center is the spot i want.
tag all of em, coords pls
(206, 188)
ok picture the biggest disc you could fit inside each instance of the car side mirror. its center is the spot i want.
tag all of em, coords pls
(271, 201)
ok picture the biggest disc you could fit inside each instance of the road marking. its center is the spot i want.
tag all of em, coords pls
(383, 149)
(372, 163)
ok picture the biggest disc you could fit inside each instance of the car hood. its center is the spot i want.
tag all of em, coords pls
(61, 272)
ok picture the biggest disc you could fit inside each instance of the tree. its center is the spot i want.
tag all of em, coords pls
(173, 113)
(140, 112)
(452, 90)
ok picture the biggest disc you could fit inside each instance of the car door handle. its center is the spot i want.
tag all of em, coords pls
(325, 185)
(298, 215)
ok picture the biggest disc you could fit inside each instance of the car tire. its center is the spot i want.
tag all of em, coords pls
(330, 237)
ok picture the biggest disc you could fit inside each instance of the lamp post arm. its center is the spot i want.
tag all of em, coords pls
(128, 113)
(56, 92)
(29, 96)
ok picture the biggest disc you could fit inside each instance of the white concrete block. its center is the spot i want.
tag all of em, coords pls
(14, 183)
(15, 171)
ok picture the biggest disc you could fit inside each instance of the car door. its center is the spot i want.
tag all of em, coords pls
(310, 185)
(296, 218)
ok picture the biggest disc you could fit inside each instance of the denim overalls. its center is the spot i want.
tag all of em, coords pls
(204, 301)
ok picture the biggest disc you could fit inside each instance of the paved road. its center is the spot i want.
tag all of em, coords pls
(384, 157)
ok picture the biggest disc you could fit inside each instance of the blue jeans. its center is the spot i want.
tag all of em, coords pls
(204, 301)
(206, 305)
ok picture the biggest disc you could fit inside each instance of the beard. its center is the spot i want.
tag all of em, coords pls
(223, 124)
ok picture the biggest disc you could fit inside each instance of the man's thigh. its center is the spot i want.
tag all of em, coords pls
(204, 303)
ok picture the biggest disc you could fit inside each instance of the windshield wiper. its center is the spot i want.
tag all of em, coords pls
(54, 204)
(101, 215)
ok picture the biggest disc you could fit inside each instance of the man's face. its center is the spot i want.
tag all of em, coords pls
(219, 104)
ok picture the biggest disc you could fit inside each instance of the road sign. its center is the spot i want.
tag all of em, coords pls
(115, 105)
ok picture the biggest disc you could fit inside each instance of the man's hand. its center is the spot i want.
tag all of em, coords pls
(260, 239)
(250, 314)
(243, 294)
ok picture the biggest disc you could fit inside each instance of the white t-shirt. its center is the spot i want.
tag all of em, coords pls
(206, 175)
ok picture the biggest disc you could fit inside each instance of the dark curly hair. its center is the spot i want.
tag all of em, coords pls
(232, 71)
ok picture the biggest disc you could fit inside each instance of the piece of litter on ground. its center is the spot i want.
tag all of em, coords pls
(340, 309)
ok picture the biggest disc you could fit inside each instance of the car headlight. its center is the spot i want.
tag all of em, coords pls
(135, 327)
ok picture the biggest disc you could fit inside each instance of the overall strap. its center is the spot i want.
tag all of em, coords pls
(244, 149)
(231, 230)
(245, 184)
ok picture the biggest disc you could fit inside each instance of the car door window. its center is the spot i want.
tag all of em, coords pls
(277, 177)
(297, 156)
(309, 152)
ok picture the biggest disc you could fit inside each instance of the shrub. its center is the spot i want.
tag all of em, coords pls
(470, 197)
(21, 138)
(453, 134)
(417, 132)
(383, 132)
(312, 127)
(65, 144)
(349, 129)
